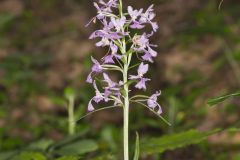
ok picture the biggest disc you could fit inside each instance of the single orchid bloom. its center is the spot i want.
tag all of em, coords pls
(143, 68)
(152, 102)
(97, 98)
(96, 68)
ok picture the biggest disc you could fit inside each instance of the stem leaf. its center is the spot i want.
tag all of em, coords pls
(137, 148)
(220, 99)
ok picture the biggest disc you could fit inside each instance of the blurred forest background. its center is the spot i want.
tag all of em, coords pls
(45, 52)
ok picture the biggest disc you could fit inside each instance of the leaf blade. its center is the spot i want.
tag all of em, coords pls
(217, 100)
(137, 148)
(171, 142)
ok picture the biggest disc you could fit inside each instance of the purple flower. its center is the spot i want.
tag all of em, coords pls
(118, 23)
(147, 57)
(105, 34)
(104, 42)
(103, 9)
(152, 102)
(148, 16)
(111, 86)
(109, 4)
(137, 25)
(108, 59)
(96, 68)
(134, 14)
(141, 44)
(90, 106)
(97, 98)
(143, 68)
(142, 83)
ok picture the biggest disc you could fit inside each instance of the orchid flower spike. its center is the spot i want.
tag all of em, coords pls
(117, 34)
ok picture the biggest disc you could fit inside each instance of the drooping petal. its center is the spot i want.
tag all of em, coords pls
(98, 97)
(90, 106)
(159, 109)
(89, 78)
(97, 66)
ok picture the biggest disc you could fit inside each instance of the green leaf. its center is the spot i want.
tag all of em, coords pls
(29, 156)
(137, 148)
(68, 158)
(220, 99)
(77, 148)
(171, 142)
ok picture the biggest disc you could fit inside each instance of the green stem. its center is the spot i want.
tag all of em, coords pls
(126, 62)
(125, 114)
(71, 119)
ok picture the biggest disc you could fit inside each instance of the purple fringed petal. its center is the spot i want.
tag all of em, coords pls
(89, 78)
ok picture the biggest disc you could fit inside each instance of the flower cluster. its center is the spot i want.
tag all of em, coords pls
(117, 33)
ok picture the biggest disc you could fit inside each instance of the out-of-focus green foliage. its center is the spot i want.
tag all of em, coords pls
(29, 156)
(78, 148)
